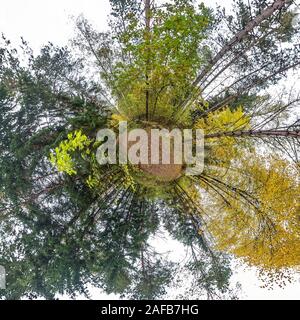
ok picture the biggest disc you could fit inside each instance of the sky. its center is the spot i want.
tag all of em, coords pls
(39, 22)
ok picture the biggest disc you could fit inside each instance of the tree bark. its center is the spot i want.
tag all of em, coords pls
(277, 5)
(147, 34)
(265, 14)
(256, 133)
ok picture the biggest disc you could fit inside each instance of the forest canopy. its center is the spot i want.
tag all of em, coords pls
(68, 223)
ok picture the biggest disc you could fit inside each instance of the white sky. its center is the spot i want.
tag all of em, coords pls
(42, 21)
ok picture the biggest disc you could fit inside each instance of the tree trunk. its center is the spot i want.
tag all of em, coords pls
(265, 14)
(256, 133)
(277, 5)
(147, 35)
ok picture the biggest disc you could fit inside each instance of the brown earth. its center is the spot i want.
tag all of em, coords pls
(163, 172)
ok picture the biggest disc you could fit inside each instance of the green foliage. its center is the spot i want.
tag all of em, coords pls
(85, 224)
(161, 53)
(62, 158)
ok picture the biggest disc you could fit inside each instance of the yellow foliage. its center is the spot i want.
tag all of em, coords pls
(91, 181)
(220, 151)
(116, 118)
(61, 157)
(129, 181)
(224, 120)
(260, 225)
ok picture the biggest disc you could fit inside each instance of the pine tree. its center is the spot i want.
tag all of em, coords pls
(67, 222)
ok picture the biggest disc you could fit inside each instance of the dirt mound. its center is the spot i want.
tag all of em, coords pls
(163, 172)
